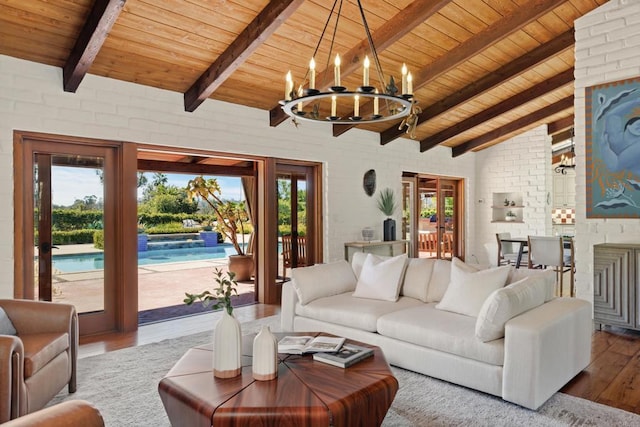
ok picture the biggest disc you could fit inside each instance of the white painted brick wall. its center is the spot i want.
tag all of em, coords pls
(32, 99)
(519, 165)
(607, 42)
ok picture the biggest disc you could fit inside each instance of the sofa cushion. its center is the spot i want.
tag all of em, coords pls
(40, 349)
(322, 280)
(381, 278)
(417, 277)
(441, 330)
(357, 261)
(549, 276)
(358, 313)
(507, 303)
(440, 279)
(6, 327)
(468, 289)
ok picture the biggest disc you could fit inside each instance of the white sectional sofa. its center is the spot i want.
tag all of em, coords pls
(449, 320)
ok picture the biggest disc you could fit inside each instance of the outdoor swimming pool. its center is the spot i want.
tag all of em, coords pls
(75, 263)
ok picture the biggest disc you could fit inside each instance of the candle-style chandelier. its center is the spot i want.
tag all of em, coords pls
(330, 102)
(568, 161)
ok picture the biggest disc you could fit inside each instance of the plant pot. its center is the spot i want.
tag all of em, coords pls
(242, 266)
(389, 230)
(143, 240)
(227, 347)
(210, 238)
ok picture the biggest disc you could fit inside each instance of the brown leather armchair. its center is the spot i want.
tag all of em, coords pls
(73, 413)
(41, 359)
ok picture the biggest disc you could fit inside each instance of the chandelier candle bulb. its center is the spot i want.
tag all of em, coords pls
(336, 71)
(404, 78)
(312, 74)
(409, 83)
(333, 106)
(288, 87)
(300, 95)
(356, 106)
(376, 107)
(365, 74)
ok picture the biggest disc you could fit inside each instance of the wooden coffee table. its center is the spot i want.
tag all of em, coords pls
(306, 393)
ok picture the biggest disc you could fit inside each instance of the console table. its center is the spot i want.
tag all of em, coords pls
(616, 285)
(391, 248)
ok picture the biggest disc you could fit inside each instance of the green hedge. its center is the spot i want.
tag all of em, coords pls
(98, 239)
(72, 237)
(71, 219)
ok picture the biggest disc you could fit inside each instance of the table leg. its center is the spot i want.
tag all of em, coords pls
(520, 252)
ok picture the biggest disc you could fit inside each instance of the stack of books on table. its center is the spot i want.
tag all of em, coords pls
(348, 355)
(306, 344)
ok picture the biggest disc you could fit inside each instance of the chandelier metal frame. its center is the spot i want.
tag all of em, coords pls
(304, 104)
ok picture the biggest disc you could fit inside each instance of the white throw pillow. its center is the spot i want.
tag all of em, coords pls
(548, 275)
(508, 302)
(380, 278)
(468, 290)
(417, 277)
(322, 280)
(439, 281)
(357, 261)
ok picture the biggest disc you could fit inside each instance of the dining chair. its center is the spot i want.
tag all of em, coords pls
(287, 252)
(550, 251)
(506, 253)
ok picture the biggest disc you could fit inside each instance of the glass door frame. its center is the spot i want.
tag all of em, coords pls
(121, 277)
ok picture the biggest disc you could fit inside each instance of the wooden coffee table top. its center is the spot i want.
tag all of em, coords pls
(306, 393)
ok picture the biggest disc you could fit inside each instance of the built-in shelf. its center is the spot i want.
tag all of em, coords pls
(500, 207)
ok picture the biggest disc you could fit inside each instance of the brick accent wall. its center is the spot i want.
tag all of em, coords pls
(607, 49)
(519, 165)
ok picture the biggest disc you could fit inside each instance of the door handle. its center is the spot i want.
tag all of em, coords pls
(46, 247)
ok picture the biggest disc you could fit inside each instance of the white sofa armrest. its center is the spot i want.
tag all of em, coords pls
(544, 349)
(288, 307)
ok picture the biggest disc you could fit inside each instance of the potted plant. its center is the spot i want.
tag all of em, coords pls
(207, 234)
(387, 205)
(510, 216)
(227, 336)
(231, 218)
(143, 238)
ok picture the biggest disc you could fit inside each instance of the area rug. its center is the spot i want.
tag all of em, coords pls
(123, 385)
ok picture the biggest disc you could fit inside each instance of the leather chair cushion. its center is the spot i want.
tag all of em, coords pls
(40, 349)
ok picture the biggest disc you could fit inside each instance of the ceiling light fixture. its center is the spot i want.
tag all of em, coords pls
(339, 105)
(567, 161)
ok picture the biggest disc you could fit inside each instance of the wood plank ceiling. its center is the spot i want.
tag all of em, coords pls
(484, 70)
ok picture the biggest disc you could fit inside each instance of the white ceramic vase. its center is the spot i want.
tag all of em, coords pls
(227, 347)
(265, 355)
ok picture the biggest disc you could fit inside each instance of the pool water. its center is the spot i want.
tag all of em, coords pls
(95, 261)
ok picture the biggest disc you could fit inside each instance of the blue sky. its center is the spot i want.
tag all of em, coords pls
(70, 184)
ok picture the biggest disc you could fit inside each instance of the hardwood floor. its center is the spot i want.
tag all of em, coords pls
(612, 378)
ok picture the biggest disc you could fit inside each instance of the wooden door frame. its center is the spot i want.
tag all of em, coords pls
(123, 186)
(458, 203)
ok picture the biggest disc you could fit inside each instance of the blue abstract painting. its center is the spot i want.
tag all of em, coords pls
(613, 149)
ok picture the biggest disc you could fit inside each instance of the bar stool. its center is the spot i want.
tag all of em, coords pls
(549, 251)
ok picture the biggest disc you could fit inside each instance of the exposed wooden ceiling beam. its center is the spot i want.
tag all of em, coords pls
(560, 125)
(195, 168)
(514, 126)
(391, 31)
(89, 42)
(494, 111)
(561, 136)
(470, 48)
(263, 25)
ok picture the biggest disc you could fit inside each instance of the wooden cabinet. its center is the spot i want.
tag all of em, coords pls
(564, 190)
(616, 284)
(503, 204)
